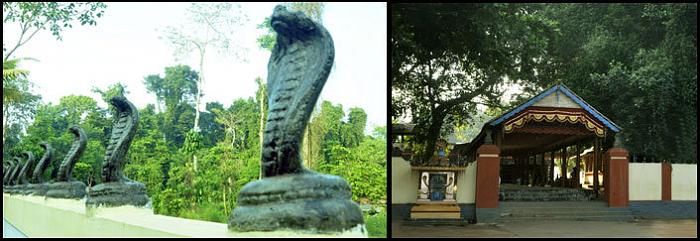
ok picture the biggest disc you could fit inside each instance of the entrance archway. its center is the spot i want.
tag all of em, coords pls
(522, 146)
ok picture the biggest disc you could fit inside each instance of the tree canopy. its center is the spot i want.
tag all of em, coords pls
(470, 53)
(636, 63)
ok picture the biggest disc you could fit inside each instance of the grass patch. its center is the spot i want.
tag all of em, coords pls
(376, 224)
(206, 212)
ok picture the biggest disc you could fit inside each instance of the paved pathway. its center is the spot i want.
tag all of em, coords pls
(9, 231)
(641, 228)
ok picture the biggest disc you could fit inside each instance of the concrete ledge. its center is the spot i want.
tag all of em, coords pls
(38, 216)
(664, 209)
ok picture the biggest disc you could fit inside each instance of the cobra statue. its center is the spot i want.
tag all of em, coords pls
(38, 175)
(65, 170)
(12, 164)
(291, 196)
(5, 164)
(7, 167)
(298, 68)
(120, 140)
(116, 189)
(22, 178)
(36, 184)
(64, 185)
(12, 178)
(9, 164)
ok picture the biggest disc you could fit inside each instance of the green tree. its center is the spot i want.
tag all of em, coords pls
(155, 84)
(209, 26)
(34, 17)
(637, 64)
(51, 123)
(448, 58)
(357, 120)
(176, 90)
(18, 102)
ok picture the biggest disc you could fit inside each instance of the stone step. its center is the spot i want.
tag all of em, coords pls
(546, 195)
(561, 210)
(435, 211)
(542, 189)
(542, 193)
(525, 213)
(435, 215)
(435, 208)
(436, 222)
(545, 199)
(573, 218)
(563, 204)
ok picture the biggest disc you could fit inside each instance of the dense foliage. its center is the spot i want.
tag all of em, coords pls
(636, 63)
(448, 58)
(161, 153)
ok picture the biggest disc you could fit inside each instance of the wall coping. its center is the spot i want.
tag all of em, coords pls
(38, 216)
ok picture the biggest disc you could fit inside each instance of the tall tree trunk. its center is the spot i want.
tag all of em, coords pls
(433, 135)
(200, 92)
(158, 101)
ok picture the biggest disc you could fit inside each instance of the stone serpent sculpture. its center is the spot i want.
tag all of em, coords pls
(65, 170)
(5, 166)
(36, 182)
(12, 178)
(116, 189)
(22, 178)
(291, 196)
(298, 68)
(64, 185)
(122, 134)
(9, 164)
(38, 175)
(13, 163)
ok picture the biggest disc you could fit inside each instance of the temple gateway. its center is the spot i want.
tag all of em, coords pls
(553, 147)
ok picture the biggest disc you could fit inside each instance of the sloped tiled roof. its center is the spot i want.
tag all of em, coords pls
(559, 87)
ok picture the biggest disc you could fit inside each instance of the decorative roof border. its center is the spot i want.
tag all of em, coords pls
(600, 117)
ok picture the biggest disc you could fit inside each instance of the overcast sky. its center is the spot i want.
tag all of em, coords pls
(125, 47)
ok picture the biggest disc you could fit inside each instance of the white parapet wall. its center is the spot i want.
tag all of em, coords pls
(46, 217)
(644, 181)
(684, 182)
(466, 189)
(404, 182)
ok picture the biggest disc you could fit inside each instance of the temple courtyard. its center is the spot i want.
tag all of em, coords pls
(559, 228)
